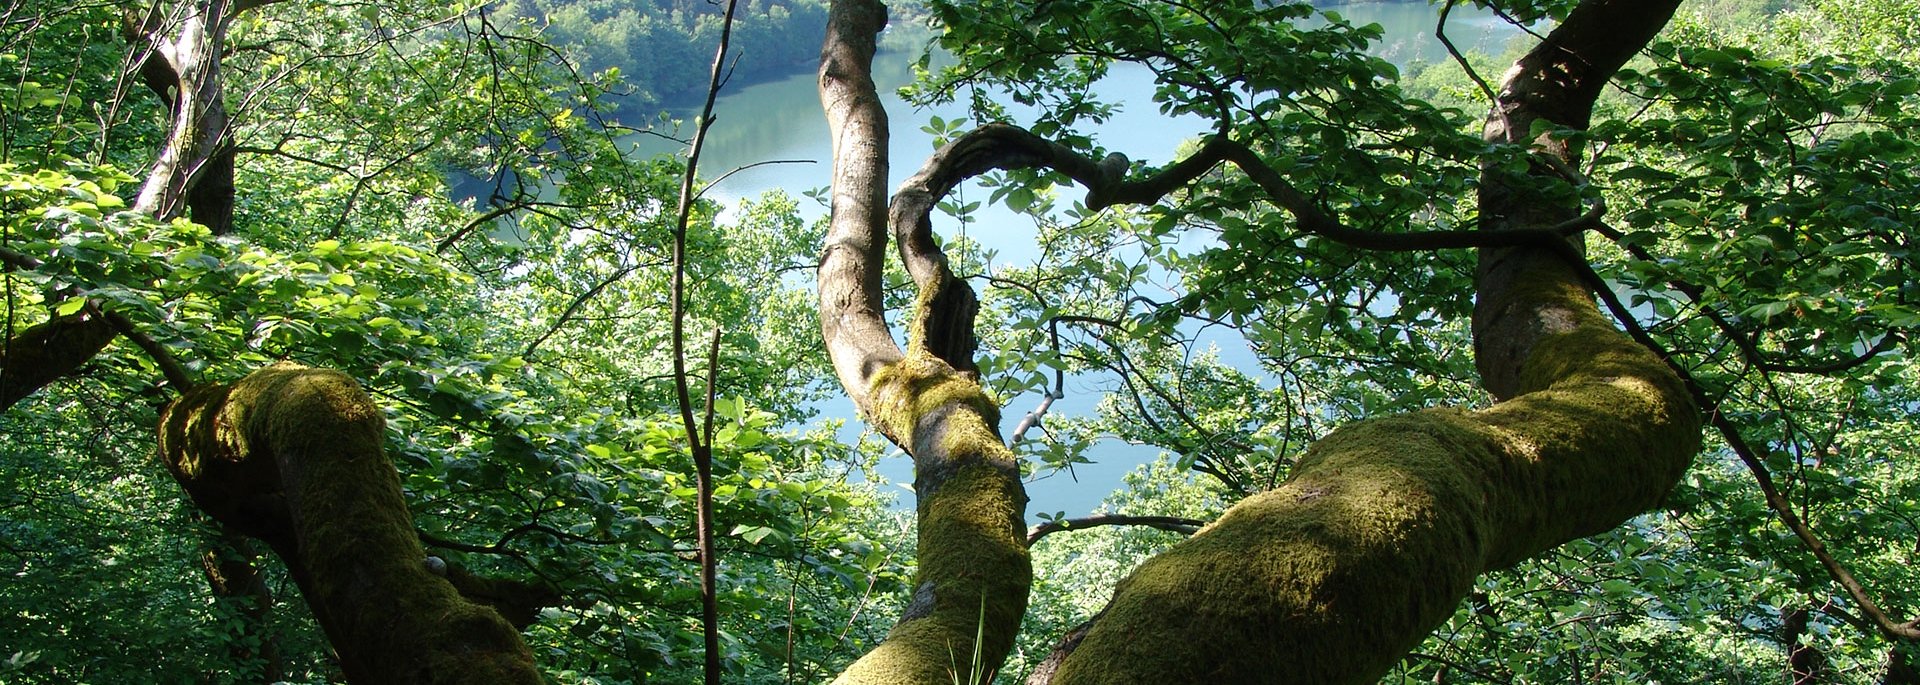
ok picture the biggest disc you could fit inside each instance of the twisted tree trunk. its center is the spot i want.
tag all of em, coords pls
(973, 572)
(292, 456)
(1385, 523)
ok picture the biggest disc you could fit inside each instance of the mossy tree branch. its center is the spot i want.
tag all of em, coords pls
(47, 351)
(1383, 524)
(974, 573)
(292, 456)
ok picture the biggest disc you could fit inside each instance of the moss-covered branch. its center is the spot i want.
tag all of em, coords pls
(974, 574)
(292, 455)
(1384, 524)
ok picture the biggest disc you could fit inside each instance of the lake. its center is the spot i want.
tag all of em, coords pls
(781, 120)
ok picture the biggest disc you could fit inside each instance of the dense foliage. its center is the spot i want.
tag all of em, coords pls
(434, 199)
(515, 345)
(1752, 161)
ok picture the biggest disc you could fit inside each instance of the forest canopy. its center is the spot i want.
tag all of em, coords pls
(357, 342)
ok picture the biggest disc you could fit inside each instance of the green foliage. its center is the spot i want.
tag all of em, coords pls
(1759, 169)
(1074, 572)
(664, 48)
(431, 199)
(479, 251)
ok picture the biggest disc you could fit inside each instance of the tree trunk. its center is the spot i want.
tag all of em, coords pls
(974, 573)
(292, 455)
(229, 563)
(184, 68)
(193, 169)
(1903, 668)
(1383, 525)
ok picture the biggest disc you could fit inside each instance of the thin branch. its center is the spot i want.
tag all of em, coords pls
(1177, 524)
(574, 307)
(1440, 31)
(476, 222)
(738, 169)
(1781, 506)
(702, 448)
(170, 367)
(1003, 146)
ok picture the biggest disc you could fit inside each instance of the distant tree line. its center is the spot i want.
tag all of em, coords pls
(663, 48)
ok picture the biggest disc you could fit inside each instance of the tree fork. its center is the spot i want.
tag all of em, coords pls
(974, 573)
(292, 455)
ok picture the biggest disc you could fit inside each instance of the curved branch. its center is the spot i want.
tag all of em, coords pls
(170, 367)
(1384, 523)
(970, 590)
(1440, 31)
(852, 319)
(1177, 524)
(1005, 146)
(292, 455)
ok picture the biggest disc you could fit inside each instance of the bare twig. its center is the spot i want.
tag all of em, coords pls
(1184, 526)
(702, 446)
(1440, 31)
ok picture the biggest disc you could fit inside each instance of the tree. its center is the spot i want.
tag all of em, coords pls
(1763, 278)
(1382, 526)
(531, 483)
(1278, 587)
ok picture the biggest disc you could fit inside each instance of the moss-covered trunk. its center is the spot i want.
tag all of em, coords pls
(1384, 524)
(292, 455)
(973, 577)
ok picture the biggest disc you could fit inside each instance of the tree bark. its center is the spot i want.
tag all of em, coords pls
(1903, 668)
(292, 455)
(1383, 525)
(193, 170)
(974, 573)
(184, 68)
(50, 350)
(1806, 664)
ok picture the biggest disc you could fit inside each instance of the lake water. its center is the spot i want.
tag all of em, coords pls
(782, 121)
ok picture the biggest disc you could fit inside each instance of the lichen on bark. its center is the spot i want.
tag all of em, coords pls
(973, 574)
(1384, 524)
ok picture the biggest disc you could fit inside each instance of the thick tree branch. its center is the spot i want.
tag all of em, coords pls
(292, 456)
(1384, 523)
(49, 351)
(185, 68)
(852, 319)
(970, 590)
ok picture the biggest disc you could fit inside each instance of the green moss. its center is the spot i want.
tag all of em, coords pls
(1385, 523)
(230, 483)
(1325, 580)
(973, 579)
(904, 394)
(351, 544)
(974, 573)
